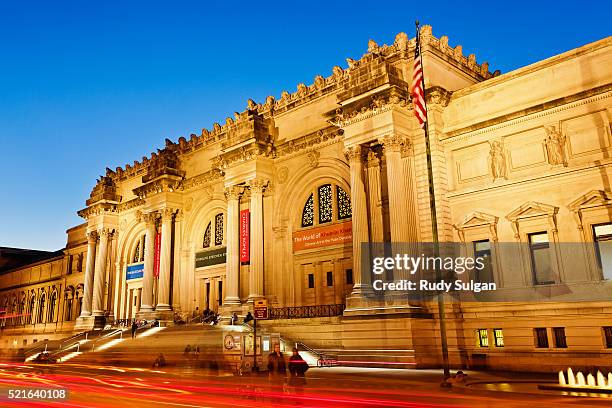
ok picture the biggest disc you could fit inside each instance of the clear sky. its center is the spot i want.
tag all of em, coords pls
(90, 84)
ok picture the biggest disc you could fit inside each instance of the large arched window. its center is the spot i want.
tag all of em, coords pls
(31, 309)
(213, 234)
(52, 304)
(41, 308)
(138, 251)
(328, 203)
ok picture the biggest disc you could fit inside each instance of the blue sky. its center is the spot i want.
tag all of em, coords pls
(85, 85)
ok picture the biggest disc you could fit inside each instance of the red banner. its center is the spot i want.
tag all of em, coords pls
(157, 255)
(245, 235)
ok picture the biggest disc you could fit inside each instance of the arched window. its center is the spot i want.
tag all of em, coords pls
(52, 304)
(41, 308)
(213, 237)
(138, 252)
(332, 204)
(31, 309)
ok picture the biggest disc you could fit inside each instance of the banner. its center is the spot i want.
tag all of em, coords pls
(209, 258)
(245, 235)
(323, 236)
(157, 255)
(135, 271)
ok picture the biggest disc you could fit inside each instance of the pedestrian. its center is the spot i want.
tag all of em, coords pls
(234, 318)
(276, 363)
(297, 371)
(187, 350)
(160, 361)
(134, 328)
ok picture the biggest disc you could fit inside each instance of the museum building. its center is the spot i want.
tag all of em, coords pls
(275, 203)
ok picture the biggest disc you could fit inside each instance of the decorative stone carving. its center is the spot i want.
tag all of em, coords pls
(373, 47)
(233, 192)
(251, 105)
(401, 41)
(188, 203)
(282, 175)
(354, 153)
(167, 213)
(269, 102)
(257, 185)
(497, 161)
(338, 73)
(319, 82)
(313, 158)
(555, 146)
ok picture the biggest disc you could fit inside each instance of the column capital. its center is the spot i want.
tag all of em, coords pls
(105, 232)
(354, 154)
(258, 185)
(233, 192)
(392, 143)
(92, 236)
(373, 160)
(167, 213)
(149, 218)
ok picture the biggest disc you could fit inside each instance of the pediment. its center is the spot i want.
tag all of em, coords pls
(477, 219)
(594, 198)
(532, 209)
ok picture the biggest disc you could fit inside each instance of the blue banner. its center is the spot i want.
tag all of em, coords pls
(135, 271)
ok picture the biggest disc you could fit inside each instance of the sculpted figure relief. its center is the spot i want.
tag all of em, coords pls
(555, 146)
(497, 161)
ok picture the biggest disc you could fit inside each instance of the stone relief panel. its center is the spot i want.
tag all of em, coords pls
(471, 163)
(526, 150)
(586, 135)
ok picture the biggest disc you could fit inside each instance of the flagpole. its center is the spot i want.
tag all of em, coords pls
(434, 219)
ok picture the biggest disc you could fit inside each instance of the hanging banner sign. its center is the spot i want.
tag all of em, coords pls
(245, 235)
(135, 271)
(157, 254)
(329, 235)
(211, 257)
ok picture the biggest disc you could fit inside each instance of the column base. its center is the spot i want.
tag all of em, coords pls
(86, 323)
(162, 308)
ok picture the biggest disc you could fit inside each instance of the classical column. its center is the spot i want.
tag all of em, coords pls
(232, 265)
(92, 237)
(163, 290)
(256, 270)
(361, 273)
(100, 274)
(149, 257)
(396, 184)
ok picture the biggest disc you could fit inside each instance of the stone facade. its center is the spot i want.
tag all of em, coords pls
(513, 154)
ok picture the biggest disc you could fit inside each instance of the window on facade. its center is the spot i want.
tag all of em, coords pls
(139, 250)
(220, 293)
(80, 263)
(69, 269)
(206, 241)
(559, 337)
(80, 304)
(327, 204)
(218, 229)
(329, 278)
(52, 303)
(541, 337)
(349, 276)
(540, 258)
(607, 331)
(41, 309)
(68, 309)
(308, 212)
(31, 309)
(310, 280)
(482, 336)
(498, 335)
(213, 234)
(603, 243)
(22, 309)
(482, 249)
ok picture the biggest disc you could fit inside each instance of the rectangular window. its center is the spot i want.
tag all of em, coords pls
(310, 280)
(482, 337)
(559, 337)
(608, 336)
(499, 337)
(482, 249)
(220, 293)
(330, 279)
(603, 244)
(540, 258)
(541, 336)
(349, 276)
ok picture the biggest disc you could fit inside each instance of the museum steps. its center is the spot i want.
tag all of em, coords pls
(121, 349)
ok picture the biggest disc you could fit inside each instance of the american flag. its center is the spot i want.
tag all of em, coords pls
(416, 88)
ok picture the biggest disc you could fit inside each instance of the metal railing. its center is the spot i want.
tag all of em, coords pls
(303, 312)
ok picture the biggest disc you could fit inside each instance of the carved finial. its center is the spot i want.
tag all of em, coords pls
(251, 105)
(269, 102)
(168, 142)
(373, 47)
(338, 73)
(401, 41)
(351, 63)
(319, 82)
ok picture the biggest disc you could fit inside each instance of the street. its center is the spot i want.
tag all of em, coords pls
(99, 386)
